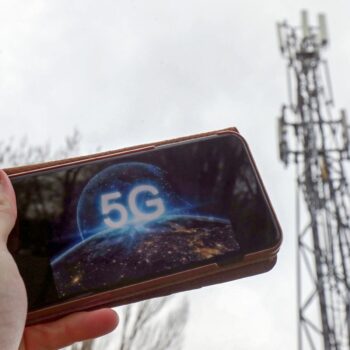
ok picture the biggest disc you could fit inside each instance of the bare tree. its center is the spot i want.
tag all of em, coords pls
(155, 324)
(14, 152)
(86, 345)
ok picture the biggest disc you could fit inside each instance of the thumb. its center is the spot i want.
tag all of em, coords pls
(8, 209)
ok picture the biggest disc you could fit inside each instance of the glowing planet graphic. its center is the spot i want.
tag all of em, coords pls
(122, 196)
(110, 259)
(134, 226)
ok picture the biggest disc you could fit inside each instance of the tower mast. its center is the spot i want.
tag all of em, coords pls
(317, 142)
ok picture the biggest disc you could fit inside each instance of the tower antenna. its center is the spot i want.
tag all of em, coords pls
(317, 143)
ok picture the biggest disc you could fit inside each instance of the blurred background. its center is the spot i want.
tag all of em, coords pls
(80, 76)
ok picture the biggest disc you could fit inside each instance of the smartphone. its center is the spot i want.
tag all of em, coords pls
(142, 222)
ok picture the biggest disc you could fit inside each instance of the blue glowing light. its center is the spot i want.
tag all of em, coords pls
(124, 197)
(140, 210)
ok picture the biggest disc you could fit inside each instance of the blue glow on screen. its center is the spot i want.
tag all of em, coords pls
(125, 197)
(132, 220)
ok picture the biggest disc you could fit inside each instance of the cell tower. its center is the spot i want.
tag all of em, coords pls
(318, 144)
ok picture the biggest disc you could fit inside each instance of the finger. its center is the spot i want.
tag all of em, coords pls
(8, 211)
(13, 299)
(70, 329)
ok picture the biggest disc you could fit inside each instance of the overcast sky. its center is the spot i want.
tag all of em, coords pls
(129, 72)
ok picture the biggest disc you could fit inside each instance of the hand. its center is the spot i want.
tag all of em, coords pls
(13, 299)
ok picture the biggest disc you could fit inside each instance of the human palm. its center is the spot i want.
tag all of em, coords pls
(13, 299)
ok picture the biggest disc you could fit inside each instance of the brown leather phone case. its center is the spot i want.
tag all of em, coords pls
(195, 278)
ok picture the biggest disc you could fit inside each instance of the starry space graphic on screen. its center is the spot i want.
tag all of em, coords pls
(133, 224)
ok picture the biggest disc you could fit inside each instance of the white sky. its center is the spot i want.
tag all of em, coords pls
(129, 72)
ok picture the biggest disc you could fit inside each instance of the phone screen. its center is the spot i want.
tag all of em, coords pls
(117, 221)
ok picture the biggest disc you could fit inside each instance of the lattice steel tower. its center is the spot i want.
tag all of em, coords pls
(317, 142)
